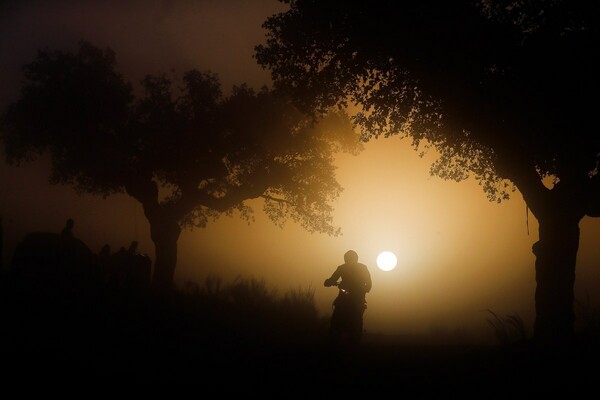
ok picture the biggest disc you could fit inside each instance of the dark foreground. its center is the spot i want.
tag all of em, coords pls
(57, 335)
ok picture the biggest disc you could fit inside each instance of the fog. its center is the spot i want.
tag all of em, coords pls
(458, 254)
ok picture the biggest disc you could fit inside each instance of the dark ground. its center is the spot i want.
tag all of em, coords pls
(57, 334)
(255, 369)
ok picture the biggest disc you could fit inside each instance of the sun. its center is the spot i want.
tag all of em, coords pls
(386, 261)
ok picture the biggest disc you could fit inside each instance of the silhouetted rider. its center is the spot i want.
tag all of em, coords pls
(350, 304)
(355, 276)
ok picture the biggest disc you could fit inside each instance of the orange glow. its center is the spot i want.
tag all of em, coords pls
(458, 254)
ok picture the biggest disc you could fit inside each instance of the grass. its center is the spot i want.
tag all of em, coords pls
(247, 335)
(508, 329)
(588, 316)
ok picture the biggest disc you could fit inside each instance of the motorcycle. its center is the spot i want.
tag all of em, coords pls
(346, 325)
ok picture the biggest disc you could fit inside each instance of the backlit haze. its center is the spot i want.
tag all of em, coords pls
(458, 254)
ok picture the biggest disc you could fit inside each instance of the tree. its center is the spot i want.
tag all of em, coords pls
(185, 152)
(506, 92)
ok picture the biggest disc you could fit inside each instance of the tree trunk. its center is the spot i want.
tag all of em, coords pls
(556, 254)
(165, 234)
(1, 246)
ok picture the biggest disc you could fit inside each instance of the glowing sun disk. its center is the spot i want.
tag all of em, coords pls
(386, 261)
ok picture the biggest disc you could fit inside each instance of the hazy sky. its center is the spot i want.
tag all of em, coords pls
(458, 254)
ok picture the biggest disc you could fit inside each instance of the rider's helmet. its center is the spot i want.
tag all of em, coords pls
(351, 257)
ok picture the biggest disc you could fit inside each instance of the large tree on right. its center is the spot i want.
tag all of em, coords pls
(506, 91)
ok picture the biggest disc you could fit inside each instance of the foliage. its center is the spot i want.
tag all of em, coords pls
(187, 153)
(508, 329)
(243, 310)
(588, 317)
(252, 309)
(494, 86)
(505, 91)
(253, 295)
(207, 153)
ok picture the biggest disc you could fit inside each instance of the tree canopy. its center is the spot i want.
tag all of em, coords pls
(179, 146)
(489, 84)
(505, 91)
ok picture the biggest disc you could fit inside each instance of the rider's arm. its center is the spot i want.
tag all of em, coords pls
(332, 280)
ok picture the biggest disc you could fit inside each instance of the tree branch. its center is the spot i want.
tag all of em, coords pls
(276, 199)
(144, 190)
(528, 181)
